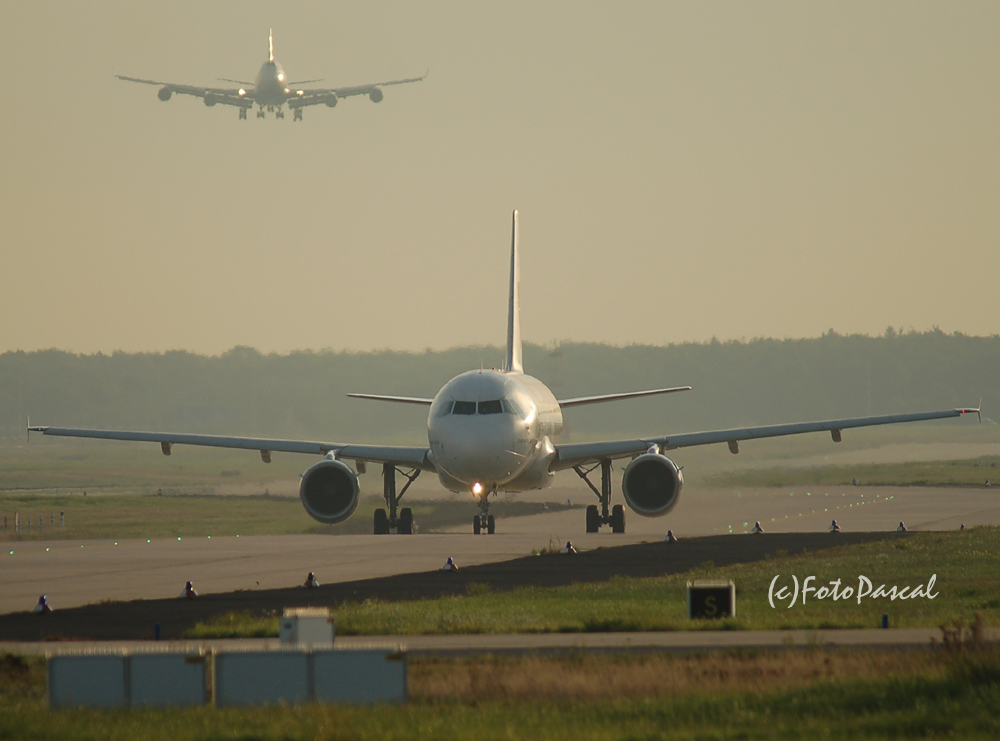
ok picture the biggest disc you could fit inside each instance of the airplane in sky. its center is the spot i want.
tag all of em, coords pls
(271, 90)
(499, 430)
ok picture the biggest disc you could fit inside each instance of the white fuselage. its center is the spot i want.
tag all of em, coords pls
(269, 87)
(491, 430)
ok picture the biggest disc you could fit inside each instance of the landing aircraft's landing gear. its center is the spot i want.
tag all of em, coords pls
(297, 116)
(388, 521)
(243, 114)
(484, 520)
(260, 112)
(607, 515)
(279, 113)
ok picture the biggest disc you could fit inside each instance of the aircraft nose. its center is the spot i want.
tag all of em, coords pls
(479, 451)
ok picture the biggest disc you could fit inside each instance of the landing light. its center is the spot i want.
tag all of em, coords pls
(242, 92)
(477, 488)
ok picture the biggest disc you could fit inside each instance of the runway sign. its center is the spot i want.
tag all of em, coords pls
(306, 626)
(711, 599)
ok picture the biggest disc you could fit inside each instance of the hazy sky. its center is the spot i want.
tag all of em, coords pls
(682, 170)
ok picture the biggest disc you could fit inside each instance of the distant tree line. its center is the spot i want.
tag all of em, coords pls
(302, 394)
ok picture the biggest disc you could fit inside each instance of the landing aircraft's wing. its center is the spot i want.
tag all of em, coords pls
(573, 454)
(225, 96)
(315, 96)
(411, 457)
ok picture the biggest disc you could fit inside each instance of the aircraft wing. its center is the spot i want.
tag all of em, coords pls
(315, 96)
(223, 95)
(412, 457)
(581, 400)
(573, 454)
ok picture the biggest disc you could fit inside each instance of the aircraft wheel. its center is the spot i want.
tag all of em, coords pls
(476, 525)
(405, 521)
(618, 519)
(381, 522)
(593, 519)
(491, 525)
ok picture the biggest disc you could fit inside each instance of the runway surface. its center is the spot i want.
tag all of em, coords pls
(263, 572)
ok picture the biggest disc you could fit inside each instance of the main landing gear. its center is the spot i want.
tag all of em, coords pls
(297, 116)
(386, 521)
(484, 520)
(243, 114)
(595, 518)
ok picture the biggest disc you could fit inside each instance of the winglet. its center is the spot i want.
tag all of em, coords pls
(513, 362)
(978, 410)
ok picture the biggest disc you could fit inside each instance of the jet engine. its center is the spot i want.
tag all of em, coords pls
(652, 485)
(211, 99)
(164, 93)
(375, 95)
(330, 100)
(329, 491)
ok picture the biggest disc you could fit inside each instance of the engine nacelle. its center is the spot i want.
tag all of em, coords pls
(329, 491)
(652, 485)
(330, 100)
(164, 93)
(211, 99)
(375, 95)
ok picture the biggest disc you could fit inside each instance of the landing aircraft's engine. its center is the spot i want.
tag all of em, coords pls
(329, 491)
(375, 95)
(164, 93)
(652, 485)
(211, 99)
(331, 100)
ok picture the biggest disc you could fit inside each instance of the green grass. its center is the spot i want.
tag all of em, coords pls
(873, 695)
(965, 564)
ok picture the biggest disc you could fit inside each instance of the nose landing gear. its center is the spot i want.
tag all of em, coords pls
(484, 520)
(481, 523)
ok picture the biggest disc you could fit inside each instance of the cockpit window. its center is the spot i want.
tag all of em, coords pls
(445, 409)
(490, 407)
(464, 407)
(509, 407)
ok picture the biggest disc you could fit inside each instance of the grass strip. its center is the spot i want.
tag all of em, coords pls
(750, 695)
(964, 563)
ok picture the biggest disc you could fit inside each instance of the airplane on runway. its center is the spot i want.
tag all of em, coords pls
(499, 430)
(271, 90)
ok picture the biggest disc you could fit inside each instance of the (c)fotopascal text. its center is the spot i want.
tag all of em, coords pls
(800, 591)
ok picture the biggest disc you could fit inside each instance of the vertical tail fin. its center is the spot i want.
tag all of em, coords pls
(270, 44)
(513, 362)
